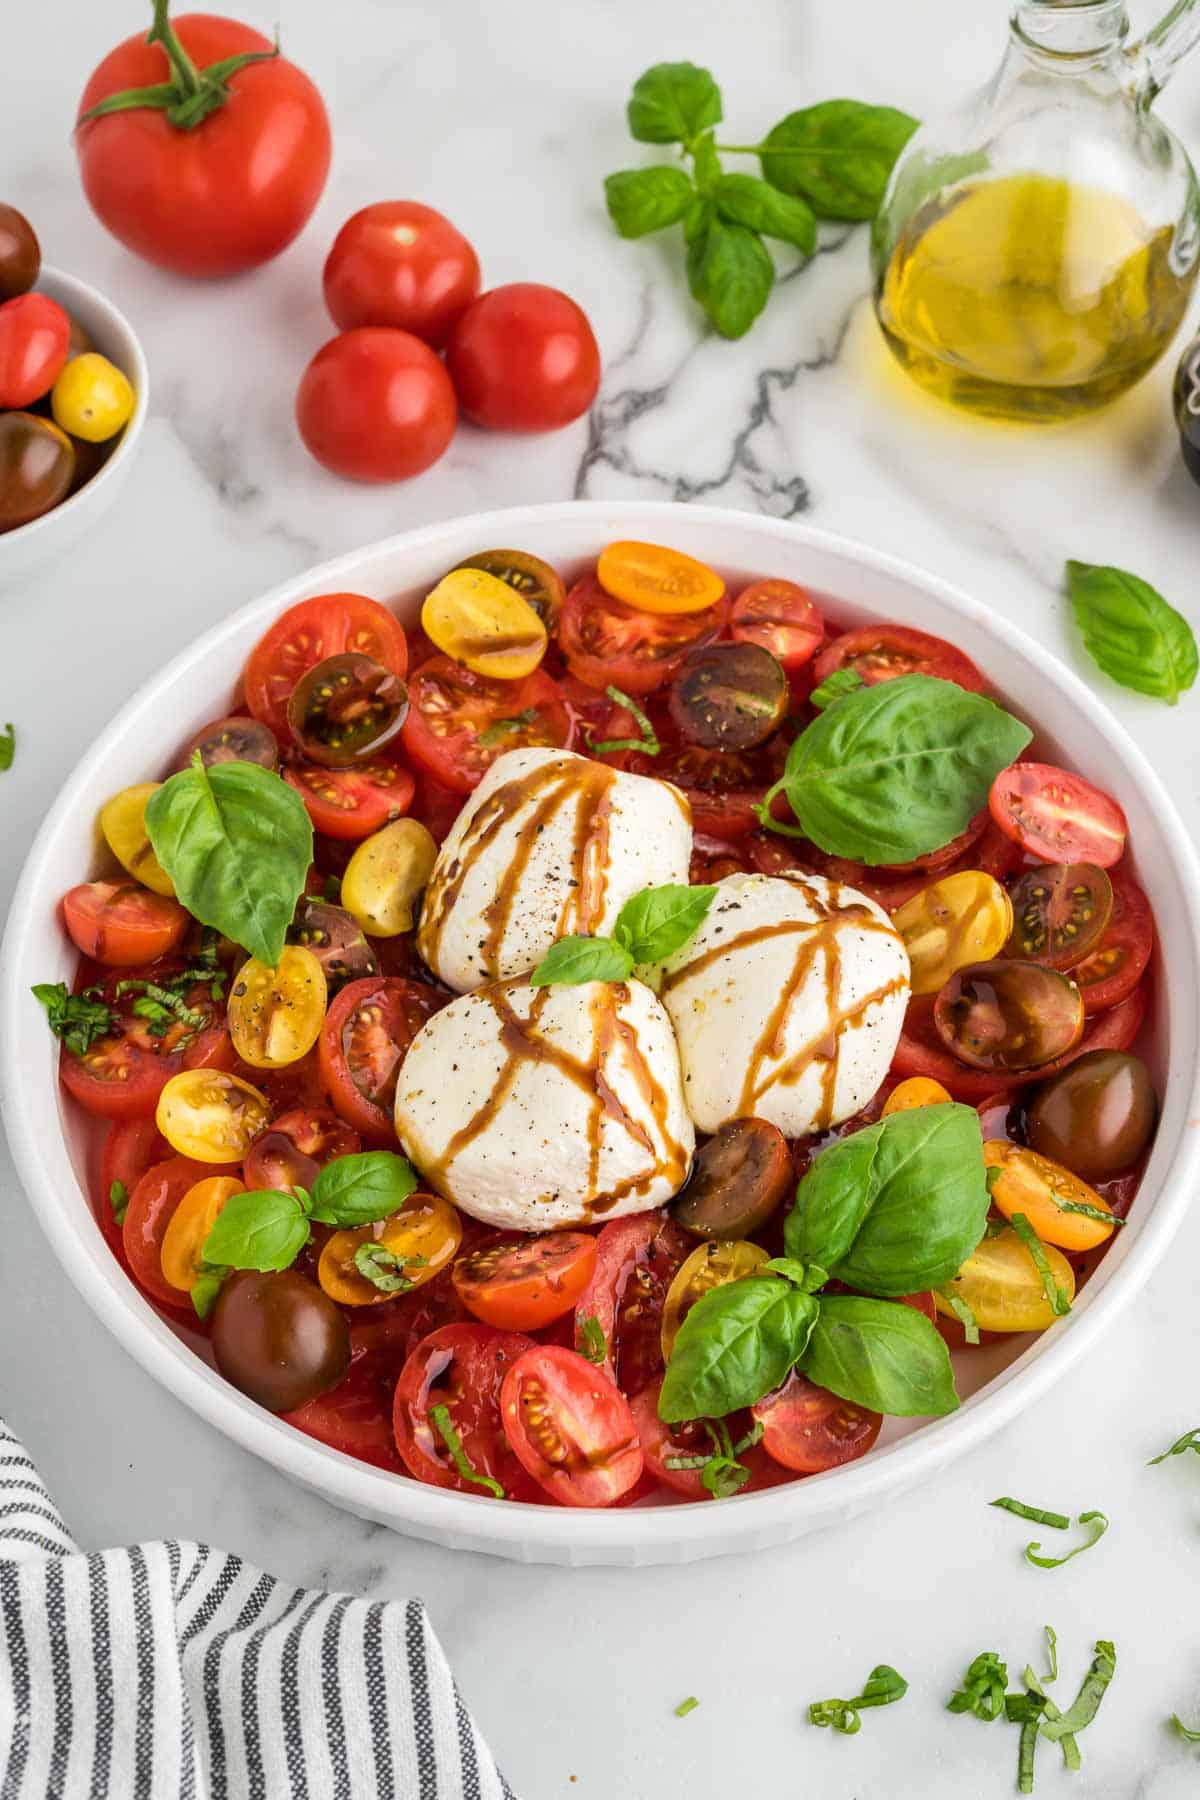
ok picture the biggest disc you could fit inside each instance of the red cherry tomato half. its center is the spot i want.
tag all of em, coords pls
(308, 633)
(635, 1261)
(881, 652)
(722, 786)
(781, 617)
(364, 1040)
(402, 264)
(35, 334)
(524, 358)
(524, 1283)
(606, 642)
(662, 1444)
(571, 1427)
(151, 1208)
(1118, 962)
(131, 1146)
(450, 709)
(1056, 816)
(121, 924)
(354, 802)
(355, 1417)
(461, 1368)
(226, 196)
(121, 1076)
(296, 1146)
(376, 404)
(808, 1429)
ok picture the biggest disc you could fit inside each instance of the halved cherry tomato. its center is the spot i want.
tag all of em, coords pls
(210, 1115)
(461, 1368)
(484, 624)
(1001, 1284)
(120, 923)
(1116, 1028)
(524, 1283)
(1032, 1184)
(151, 1207)
(386, 875)
(1117, 964)
(335, 938)
(122, 1076)
(1009, 1016)
(532, 578)
(232, 740)
(738, 1181)
(131, 1146)
(123, 823)
(296, 1146)
(352, 803)
(921, 1051)
(182, 1254)
(728, 697)
(636, 1260)
(305, 635)
(664, 1444)
(922, 1303)
(1060, 912)
(459, 722)
(1057, 816)
(781, 617)
(917, 1091)
(364, 1040)
(655, 579)
(881, 652)
(570, 1426)
(420, 1239)
(346, 710)
(959, 919)
(606, 641)
(355, 1417)
(711, 1265)
(275, 1015)
(808, 1429)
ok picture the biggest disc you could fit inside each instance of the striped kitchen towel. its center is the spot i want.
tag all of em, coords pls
(171, 1669)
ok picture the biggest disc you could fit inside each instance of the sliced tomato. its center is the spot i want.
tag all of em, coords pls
(131, 1146)
(364, 1040)
(462, 1368)
(296, 1146)
(635, 1262)
(459, 722)
(714, 858)
(151, 1208)
(780, 616)
(1056, 816)
(1116, 1028)
(522, 1284)
(297, 1085)
(1118, 962)
(723, 786)
(881, 652)
(352, 803)
(121, 1076)
(921, 1051)
(663, 1444)
(355, 1417)
(121, 923)
(436, 807)
(808, 1429)
(305, 635)
(570, 1427)
(607, 642)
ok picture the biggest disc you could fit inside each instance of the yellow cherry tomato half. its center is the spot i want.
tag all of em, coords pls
(1030, 1183)
(211, 1116)
(276, 1015)
(184, 1239)
(918, 1090)
(123, 822)
(404, 1251)
(709, 1266)
(961, 919)
(1000, 1283)
(92, 398)
(484, 624)
(656, 580)
(386, 874)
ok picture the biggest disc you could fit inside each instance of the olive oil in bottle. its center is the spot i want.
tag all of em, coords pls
(1028, 296)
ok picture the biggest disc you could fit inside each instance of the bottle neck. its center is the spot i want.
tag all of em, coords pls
(1070, 33)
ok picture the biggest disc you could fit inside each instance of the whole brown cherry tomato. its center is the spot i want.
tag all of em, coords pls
(36, 466)
(278, 1338)
(20, 253)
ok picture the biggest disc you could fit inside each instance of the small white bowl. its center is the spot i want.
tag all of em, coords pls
(49, 1136)
(23, 549)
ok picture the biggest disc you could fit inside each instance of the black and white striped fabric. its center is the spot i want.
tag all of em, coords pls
(171, 1669)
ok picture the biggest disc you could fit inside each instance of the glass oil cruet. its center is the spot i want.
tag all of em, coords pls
(1036, 249)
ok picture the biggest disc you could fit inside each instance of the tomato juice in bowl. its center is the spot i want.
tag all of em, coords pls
(853, 585)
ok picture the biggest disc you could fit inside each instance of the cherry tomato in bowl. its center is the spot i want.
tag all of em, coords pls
(1057, 816)
(606, 642)
(622, 1305)
(152, 1204)
(305, 635)
(780, 617)
(121, 924)
(523, 358)
(446, 1414)
(570, 1427)
(34, 337)
(1111, 971)
(37, 467)
(808, 1429)
(882, 652)
(352, 803)
(402, 264)
(296, 1146)
(376, 404)
(363, 1041)
(459, 722)
(525, 1283)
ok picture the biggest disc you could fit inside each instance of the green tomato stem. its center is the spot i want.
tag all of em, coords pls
(191, 94)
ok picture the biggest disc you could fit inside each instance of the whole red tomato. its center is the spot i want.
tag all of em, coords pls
(219, 172)
(400, 263)
(34, 336)
(376, 405)
(524, 358)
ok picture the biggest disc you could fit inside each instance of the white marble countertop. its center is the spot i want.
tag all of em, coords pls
(506, 115)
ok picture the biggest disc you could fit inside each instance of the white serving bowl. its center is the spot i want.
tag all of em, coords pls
(49, 1136)
(22, 550)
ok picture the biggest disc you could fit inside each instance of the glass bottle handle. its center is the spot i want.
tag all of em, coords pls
(1164, 46)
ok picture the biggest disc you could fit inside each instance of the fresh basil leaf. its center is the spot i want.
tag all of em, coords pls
(590, 1340)
(706, 164)
(672, 103)
(644, 200)
(747, 200)
(1131, 631)
(898, 769)
(237, 843)
(265, 1229)
(878, 1354)
(1185, 1731)
(207, 1286)
(576, 959)
(730, 274)
(655, 923)
(842, 681)
(736, 1344)
(838, 155)
(896, 1207)
(359, 1189)
(78, 1019)
(8, 747)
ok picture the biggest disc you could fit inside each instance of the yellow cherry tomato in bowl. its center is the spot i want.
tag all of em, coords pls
(711, 1265)
(918, 1090)
(1031, 1184)
(653, 579)
(1000, 1283)
(92, 398)
(961, 919)
(211, 1116)
(371, 1263)
(184, 1239)
(386, 874)
(484, 624)
(276, 1015)
(123, 822)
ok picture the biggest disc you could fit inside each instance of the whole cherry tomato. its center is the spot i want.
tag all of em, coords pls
(37, 464)
(376, 404)
(35, 334)
(400, 263)
(524, 358)
(214, 174)
(20, 253)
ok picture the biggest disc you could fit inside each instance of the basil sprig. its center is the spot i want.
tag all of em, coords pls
(877, 1354)
(736, 1344)
(237, 843)
(1134, 635)
(650, 926)
(895, 770)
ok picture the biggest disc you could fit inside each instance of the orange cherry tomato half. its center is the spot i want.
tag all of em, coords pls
(182, 1254)
(1032, 1184)
(524, 1283)
(808, 1429)
(416, 1242)
(308, 633)
(779, 616)
(570, 1427)
(1057, 816)
(653, 579)
(120, 923)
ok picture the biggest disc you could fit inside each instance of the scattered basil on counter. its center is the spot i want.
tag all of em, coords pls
(80, 1020)
(1095, 1519)
(883, 1686)
(651, 926)
(1036, 1515)
(647, 740)
(1060, 1304)
(359, 1189)
(1052, 1652)
(1086, 1704)
(1131, 632)
(443, 1424)
(736, 1344)
(838, 155)
(895, 770)
(1189, 1441)
(834, 686)
(881, 1355)
(1185, 1731)
(237, 843)
(983, 1688)
(686, 1706)
(982, 1693)
(118, 1200)
(267, 1228)
(8, 747)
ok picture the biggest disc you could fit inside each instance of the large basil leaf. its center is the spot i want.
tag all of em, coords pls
(735, 1345)
(236, 841)
(879, 1354)
(1132, 632)
(745, 200)
(896, 1207)
(643, 200)
(357, 1190)
(838, 156)
(898, 769)
(730, 273)
(672, 103)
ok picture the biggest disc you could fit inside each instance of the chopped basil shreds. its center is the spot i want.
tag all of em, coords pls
(962, 1313)
(1084, 1211)
(443, 1424)
(1060, 1304)
(1189, 1441)
(384, 1269)
(1185, 1731)
(502, 728)
(647, 742)
(883, 1686)
(118, 1199)
(1096, 1519)
(982, 1690)
(1052, 1652)
(8, 747)
(686, 1706)
(1035, 1514)
(1086, 1703)
(721, 1474)
(590, 1339)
